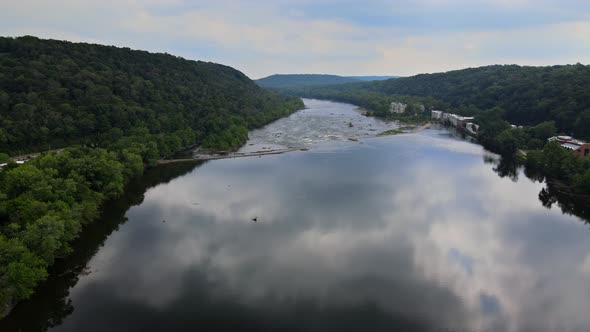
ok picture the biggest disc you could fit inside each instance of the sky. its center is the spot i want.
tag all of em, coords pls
(343, 37)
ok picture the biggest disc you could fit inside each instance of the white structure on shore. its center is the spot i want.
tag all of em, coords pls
(457, 121)
(472, 128)
(436, 115)
(398, 108)
(18, 162)
(580, 147)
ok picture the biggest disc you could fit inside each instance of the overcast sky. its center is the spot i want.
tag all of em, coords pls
(346, 37)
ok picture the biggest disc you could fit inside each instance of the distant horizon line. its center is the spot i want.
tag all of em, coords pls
(430, 73)
(259, 78)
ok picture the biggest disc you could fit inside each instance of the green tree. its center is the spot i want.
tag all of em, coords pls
(543, 130)
(553, 158)
(582, 124)
(582, 182)
(20, 271)
(507, 143)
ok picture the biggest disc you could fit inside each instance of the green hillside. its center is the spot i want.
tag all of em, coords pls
(56, 93)
(529, 95)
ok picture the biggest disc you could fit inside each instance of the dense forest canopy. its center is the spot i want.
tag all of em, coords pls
(57, 93)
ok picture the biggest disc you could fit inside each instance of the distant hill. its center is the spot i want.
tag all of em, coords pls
(293, 80)
(280, 81)
(373, 78)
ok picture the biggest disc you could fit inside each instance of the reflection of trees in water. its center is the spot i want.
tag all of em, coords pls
(504, 167)
(568, 202)
(553, 193)
(50, 304)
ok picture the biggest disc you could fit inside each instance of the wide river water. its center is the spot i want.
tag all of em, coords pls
(420, 232)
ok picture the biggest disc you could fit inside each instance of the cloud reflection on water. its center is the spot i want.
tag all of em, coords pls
(416, 226)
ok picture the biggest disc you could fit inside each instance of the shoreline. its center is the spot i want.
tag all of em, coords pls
(395, 132)
(274, 152)
(230, 156)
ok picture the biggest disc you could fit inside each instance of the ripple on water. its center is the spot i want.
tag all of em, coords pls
(321, 121)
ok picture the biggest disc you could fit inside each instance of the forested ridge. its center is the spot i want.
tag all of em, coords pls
(529, 95)
(57, 93)
(117, 110)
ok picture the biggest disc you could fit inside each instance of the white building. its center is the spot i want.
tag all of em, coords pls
(460, 121)
(454, 119)
(472, 128)
(18, 162)
(436, 115)
(398, 108)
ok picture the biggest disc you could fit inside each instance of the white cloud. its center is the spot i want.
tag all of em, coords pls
(262, 38)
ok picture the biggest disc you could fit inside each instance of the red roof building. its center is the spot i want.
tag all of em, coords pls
(570, 143)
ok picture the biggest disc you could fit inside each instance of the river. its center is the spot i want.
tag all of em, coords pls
(421, 232)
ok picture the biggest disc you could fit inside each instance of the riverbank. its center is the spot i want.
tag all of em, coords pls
(233, 155)
(401, 132)
(562, 168)
(229, 156)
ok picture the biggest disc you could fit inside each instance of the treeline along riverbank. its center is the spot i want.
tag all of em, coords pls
(49, 305)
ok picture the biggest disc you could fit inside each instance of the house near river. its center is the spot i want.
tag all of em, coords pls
(572, 144)
(18, 162)
(401, 108)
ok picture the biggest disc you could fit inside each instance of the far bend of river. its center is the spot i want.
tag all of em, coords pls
(400, 233)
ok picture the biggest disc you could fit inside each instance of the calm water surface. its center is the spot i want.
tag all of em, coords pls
(409, 233)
